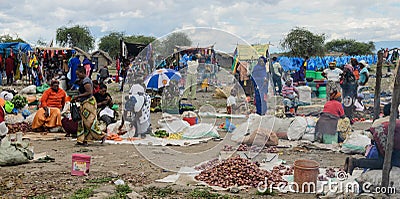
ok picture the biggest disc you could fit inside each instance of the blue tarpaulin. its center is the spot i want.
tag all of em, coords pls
(318, 63)
(16, 46)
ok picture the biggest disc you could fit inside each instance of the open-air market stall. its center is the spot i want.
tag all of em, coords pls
(50, 61)
(21, 52)
(244, 59)
(205, 57)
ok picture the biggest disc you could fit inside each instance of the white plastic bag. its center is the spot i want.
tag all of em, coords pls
(3, 129)
(28, 90)
(355, 143)
(69, 74)
(374, 179)
(198, 131)
(297, 128)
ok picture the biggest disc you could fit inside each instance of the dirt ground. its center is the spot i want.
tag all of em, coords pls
(112, 162)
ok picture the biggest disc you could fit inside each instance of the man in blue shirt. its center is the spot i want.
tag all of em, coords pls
(73, 65)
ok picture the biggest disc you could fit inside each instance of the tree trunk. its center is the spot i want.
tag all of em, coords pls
(377, 99)
(392, 125)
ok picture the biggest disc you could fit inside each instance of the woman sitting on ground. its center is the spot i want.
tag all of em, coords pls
(326, 127)
(49, 114)
(104, 102)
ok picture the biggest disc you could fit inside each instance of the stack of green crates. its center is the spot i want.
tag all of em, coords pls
(318, 75)
(322, 92)
(310, 74)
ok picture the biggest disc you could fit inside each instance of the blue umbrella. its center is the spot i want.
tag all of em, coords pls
(161, 78)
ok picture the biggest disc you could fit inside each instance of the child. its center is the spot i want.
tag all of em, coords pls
(289, 97)
(231, 102)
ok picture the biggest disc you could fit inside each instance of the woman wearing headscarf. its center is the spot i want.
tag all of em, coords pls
(137, 110)
(88, 128)
(260, 83)
(49, 114)
(326, 127)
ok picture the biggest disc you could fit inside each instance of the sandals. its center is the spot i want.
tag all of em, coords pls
(103, 139)
(82, 144)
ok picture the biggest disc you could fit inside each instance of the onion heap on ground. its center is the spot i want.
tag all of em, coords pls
(237, 171)
(23, 127)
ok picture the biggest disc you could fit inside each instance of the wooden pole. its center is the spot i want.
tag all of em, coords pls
(392, 125)
(377, 99)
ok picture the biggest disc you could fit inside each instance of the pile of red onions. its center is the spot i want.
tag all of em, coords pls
(237, 171)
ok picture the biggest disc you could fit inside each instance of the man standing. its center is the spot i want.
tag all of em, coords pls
(73, 65)
(191, 80)
(10, 70)
(333, 75)
(277, 75)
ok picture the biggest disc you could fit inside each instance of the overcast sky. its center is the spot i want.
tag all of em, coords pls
(256, 21)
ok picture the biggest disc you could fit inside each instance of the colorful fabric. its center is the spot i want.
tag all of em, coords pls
(53, 99)
(332, 87)
(235, 60)
(40, 120)
(380, 137)
(334, 107)
(88, 128)
(243, 71)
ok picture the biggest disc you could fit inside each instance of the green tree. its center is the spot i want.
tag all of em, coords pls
(301, 42)
(141, 39)
(350, 47)
(40, 42)
(110, 43)
(8, 38)
(166, 47)
(77, 36)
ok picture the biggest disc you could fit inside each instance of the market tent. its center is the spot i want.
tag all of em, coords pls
(192, 48)
(131, 49)
(16, 46)
(251, 52)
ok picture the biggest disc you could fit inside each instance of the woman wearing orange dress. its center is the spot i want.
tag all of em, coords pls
(52, 102)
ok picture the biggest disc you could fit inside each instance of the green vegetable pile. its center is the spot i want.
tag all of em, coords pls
(161, 134)
(19, 101)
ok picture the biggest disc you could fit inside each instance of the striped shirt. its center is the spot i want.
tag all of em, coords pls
(288, 91)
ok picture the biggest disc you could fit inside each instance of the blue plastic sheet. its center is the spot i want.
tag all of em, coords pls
(319, 63)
